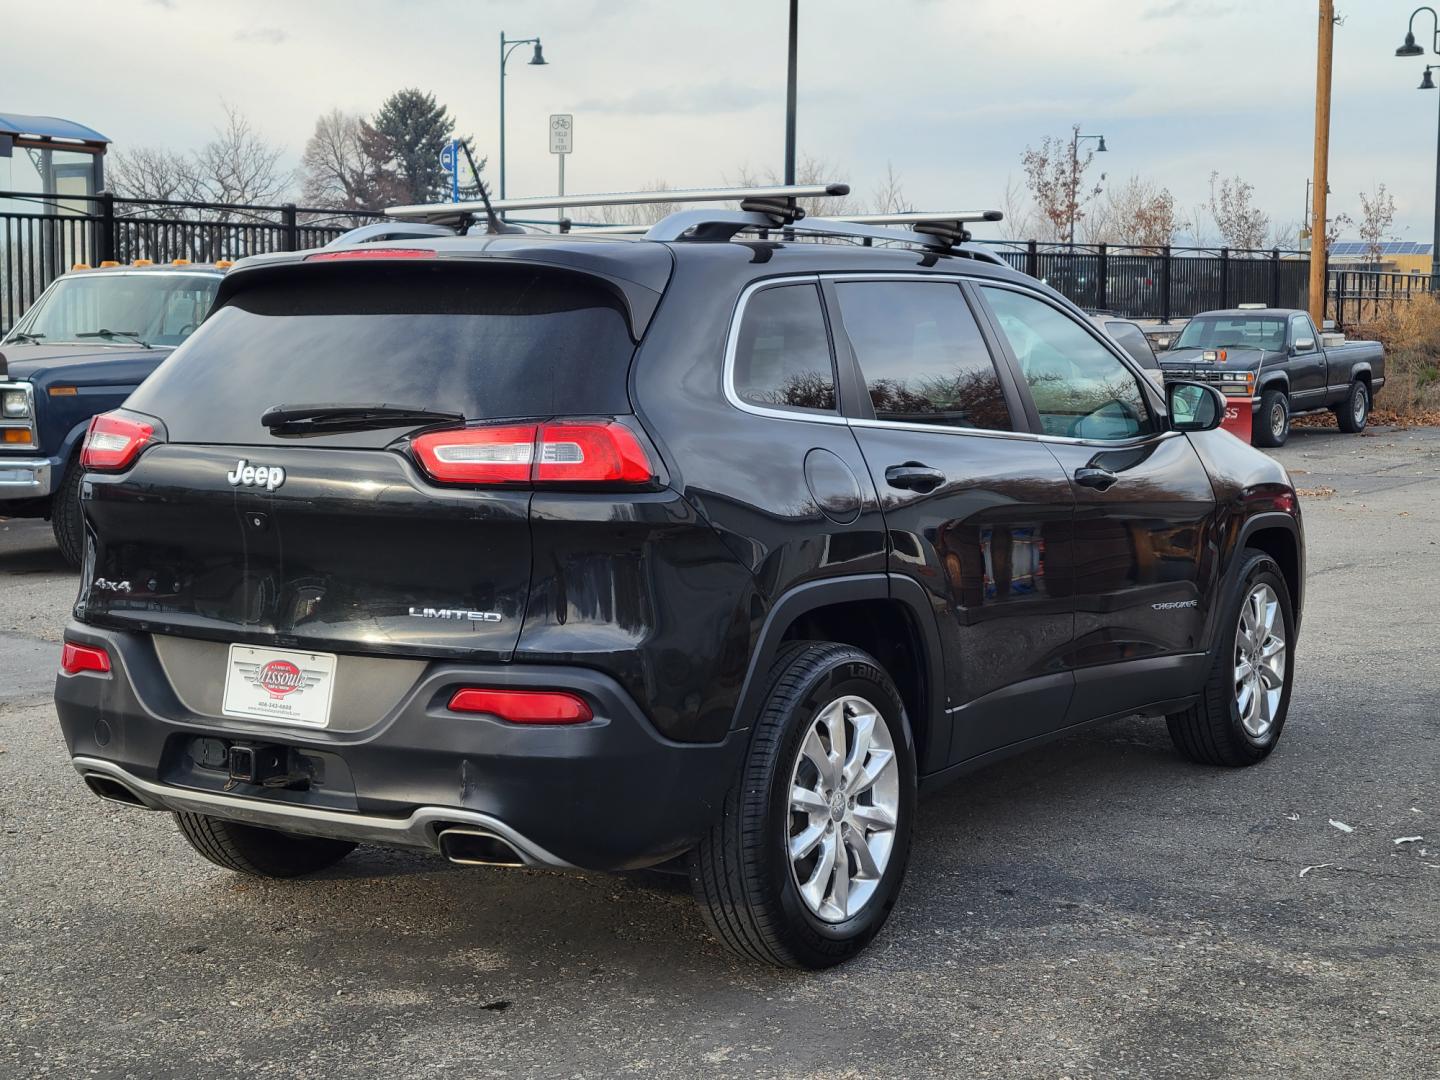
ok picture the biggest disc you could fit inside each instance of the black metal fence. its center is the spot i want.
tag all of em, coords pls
(42, 236)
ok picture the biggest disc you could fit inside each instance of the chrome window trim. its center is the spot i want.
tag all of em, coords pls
(733, 338)
(732, 345)
(30, 423)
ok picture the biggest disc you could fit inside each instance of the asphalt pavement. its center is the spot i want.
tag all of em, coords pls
(1096, 909)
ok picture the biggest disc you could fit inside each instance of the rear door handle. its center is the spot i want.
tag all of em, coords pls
(1099, 479)
(914, 476)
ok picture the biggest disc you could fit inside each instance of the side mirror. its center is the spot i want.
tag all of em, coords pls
(1304, 344)
(1194, 406)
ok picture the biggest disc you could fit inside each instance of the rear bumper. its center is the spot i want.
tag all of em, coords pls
(606, 795)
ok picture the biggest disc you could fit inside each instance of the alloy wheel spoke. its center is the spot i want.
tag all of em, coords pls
(866, 868)
(860, 742)
(1245, 698)
(1242, 671)
(873, 818)
(803, 842)
(834, 720)
(813, 750)
(1270, 678)
(864, 780)
(806, 801)
(817, 886)
(840, 887)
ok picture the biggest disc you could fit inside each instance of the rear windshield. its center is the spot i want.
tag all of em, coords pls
(489, 342)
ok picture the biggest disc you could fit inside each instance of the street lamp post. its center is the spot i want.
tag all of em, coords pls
(1410, 48)
(507, 46)
(790, 93)
(1075, 173)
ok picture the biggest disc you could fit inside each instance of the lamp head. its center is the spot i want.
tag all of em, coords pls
(1409, 48)
(539, 57)
(1101, 148)
(1426, 83)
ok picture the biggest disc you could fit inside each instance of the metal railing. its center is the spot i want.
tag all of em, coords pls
(42, 236)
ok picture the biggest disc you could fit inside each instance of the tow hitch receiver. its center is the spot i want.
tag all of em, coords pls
(268, 765)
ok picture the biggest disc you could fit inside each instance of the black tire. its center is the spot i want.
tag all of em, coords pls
(741, 872)
(1272, 422)
(1355, 412)
(249, 849)
(1211, 732)
(66, 521)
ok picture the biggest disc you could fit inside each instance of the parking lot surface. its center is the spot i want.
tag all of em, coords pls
(1098, 908)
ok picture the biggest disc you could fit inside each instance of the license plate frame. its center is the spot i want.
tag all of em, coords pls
(279, 686)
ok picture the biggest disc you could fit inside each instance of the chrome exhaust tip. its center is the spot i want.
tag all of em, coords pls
(476, 847)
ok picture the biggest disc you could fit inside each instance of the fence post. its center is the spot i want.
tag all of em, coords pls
(1275, 277)
(1224, 277)
(292, 228)
(1339, 300)
(1102, 287)
(1165, 285)
(1032, 259)
(107, 227)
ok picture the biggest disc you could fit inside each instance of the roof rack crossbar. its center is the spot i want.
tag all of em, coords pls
(782, 198)
(388, 230)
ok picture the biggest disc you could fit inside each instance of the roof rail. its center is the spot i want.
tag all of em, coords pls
(778, 202)
(388, 230)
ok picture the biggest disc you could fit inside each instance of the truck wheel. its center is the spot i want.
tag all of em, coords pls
(66, 521)
(1352, 415)
(1272, 422)
(1241, 710)
(807, 858)
(249, 849)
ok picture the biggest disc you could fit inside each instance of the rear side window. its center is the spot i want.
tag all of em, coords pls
(782, 357)
(489, 342)
(921, 354)
(1134, 342)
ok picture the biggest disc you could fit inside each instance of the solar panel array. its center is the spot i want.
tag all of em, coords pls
(1393, 247)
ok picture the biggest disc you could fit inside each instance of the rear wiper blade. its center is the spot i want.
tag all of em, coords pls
(133, 335)
(349, 416)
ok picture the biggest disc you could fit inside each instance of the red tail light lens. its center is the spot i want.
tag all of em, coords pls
(524, 706)
(77, 658)
(114, 442)
(372, 253)
(561, 452)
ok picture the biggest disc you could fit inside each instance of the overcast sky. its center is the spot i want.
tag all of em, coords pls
(948, 91)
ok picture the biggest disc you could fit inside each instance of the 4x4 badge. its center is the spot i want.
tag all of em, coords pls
(269, 477)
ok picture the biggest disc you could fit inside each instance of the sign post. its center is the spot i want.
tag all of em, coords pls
(450, 163)
(562, 141)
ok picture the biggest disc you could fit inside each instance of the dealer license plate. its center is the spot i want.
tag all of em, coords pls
(279, 685)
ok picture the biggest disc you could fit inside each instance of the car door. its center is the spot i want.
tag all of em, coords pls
(975, 510)
(1306, 364)
(1144, 552)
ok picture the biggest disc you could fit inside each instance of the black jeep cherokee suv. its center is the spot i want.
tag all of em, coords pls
(609, 553)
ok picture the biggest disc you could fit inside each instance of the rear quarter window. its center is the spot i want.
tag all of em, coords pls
(491, 342)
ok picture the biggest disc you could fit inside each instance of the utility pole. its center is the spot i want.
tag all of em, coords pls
(1318, 252)
(790, 94)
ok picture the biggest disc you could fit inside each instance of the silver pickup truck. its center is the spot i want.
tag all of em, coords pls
(1275, 357)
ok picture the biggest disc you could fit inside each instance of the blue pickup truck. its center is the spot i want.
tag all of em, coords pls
(81, 348)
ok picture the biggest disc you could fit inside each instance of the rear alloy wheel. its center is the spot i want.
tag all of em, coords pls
(807, 859)
(1272, 422)
(1352, 415)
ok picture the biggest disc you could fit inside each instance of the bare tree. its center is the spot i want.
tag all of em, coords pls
(808, 170)
(237, 166)
(888, 196)
(1286, 235)
(1055, 175)
(1377, 214)
(1019, 221)
(1240, 222)
(339, 166)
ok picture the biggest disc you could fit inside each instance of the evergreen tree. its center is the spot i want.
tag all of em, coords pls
(412, 127)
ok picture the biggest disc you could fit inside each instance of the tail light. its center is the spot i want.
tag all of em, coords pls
(77, 658)
(561, 452)
(524, 706)
(114, 441)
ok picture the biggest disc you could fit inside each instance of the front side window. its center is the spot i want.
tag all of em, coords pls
(1300, 330)
(782, 358)
(1080, 388)
(921, 354)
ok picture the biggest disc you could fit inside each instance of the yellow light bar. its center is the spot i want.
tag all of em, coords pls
(80, 266)
(179, 262)
(63, 391)
(108, 262)
(224, 264)
(142, 262)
